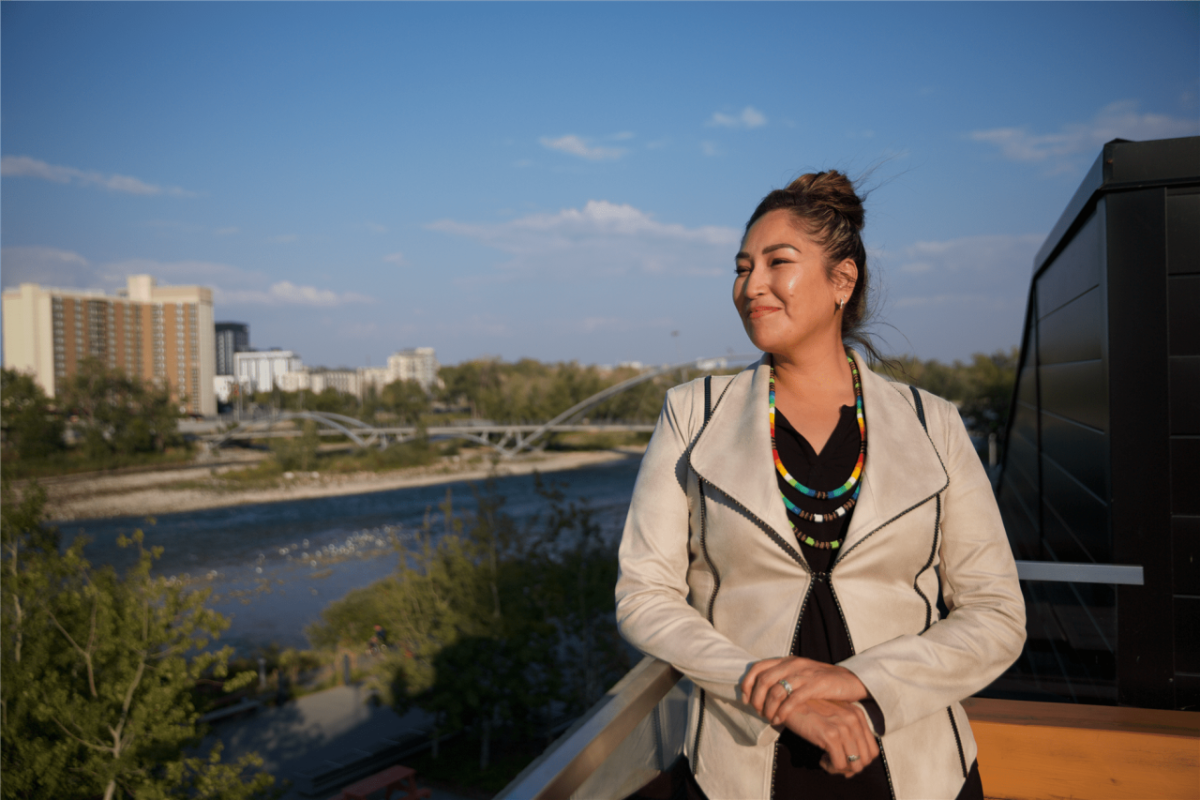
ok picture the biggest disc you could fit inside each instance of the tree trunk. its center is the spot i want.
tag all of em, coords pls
(110, 790)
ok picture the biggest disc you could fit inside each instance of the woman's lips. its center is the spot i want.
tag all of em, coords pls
(761, 311)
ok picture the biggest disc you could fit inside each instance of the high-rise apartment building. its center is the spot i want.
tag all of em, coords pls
(161, 334)
(414, 364)
(232, 337)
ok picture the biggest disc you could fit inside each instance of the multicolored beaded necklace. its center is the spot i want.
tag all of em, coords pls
(853, 483)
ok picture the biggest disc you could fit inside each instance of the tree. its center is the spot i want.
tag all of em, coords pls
(120, 415)
(98, 672)
(298, 452)
(492, 623)
(30, 427)
(406, 399)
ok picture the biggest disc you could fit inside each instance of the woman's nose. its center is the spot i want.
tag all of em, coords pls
(755, 284)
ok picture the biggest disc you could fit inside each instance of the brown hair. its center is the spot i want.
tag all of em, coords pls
(831, 212)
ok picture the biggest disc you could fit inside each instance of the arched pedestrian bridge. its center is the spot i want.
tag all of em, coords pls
(507, 439)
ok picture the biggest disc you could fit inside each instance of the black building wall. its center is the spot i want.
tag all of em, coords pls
(232, 337)
(1103, 457)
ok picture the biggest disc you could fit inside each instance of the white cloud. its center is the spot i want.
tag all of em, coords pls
(972, 254)
(709, 149)
(603, 238)
(396, 258)
(1117, 120)
(750, 117)
(947, 298)
(286, 238)
(577, 146)
(48, 266)
(26, 167)
(374, 227)
(231, 285)
(623, 136)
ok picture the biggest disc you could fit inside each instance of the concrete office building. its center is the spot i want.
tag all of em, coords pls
(262, 370)
(161, 334)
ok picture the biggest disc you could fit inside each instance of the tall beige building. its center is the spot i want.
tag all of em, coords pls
(161, 334)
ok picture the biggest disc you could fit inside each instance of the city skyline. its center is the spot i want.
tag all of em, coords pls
(560, 181)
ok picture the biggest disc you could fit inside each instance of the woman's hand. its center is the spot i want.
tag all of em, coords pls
(840, 729)
(809, 680)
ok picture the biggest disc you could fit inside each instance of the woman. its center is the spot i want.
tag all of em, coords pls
(787, 531)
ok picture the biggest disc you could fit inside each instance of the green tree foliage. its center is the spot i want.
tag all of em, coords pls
(98, 672)
(298, 453)
(31, 428)
(982, 388)
(489, 623)
(119, 415)
(531, 391)
(406, 400)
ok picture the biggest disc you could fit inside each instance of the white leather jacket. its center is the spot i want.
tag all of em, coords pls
(713, 586)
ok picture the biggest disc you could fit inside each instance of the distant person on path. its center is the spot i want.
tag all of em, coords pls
(788, 564)
(378, 643)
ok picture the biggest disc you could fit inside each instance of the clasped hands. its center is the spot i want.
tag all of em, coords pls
(819, 708)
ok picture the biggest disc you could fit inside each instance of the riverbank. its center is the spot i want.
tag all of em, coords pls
(199, 487)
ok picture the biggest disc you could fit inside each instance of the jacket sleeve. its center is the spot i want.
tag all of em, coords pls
(653, 612)
(913, 676)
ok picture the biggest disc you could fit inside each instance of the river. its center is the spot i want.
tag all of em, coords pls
(273, 567)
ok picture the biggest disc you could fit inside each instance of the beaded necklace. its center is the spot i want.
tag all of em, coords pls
(853, 483)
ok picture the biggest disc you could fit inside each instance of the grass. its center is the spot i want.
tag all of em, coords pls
(75, 461)
(596, 441)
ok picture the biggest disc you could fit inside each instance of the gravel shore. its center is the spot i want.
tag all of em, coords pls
(183, 489)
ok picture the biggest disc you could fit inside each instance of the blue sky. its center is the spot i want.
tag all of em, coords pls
(560, 181)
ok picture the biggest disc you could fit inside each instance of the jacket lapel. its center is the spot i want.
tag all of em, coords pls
(733, 452)
(902, 470)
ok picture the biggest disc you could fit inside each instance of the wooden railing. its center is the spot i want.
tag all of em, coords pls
(1056, 750)
(1027, 751)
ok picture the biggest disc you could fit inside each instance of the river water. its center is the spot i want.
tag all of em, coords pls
(273, 567)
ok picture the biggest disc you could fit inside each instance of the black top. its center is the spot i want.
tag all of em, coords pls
(822, 635)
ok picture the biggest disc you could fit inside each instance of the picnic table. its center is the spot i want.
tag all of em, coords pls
(392, 779)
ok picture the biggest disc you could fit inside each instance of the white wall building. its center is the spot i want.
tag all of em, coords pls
(415, 364)
(317, 380)
(261, 370)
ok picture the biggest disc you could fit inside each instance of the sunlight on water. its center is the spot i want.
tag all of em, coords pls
(273, 567)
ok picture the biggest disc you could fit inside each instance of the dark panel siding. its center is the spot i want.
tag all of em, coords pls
(1083, 514)
(1185, 395)
(1027, 387)
(1076, 269)
(1183, 315)
(1059, 541)
(1185, 551)
(1183, 233)
(1185, 476)
(1075, 332)
(1077, 391)
(1187, 634)
(1187, 692)
(1025, 422)
(1081, 451)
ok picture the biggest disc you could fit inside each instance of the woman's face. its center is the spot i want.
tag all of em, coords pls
(782, 293)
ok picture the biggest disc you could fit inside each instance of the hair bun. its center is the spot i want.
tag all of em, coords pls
(831, 191)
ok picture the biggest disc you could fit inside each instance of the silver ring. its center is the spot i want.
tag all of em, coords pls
(852, 759)
(787, 687)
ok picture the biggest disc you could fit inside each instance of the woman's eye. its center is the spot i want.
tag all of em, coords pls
(740, 270)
